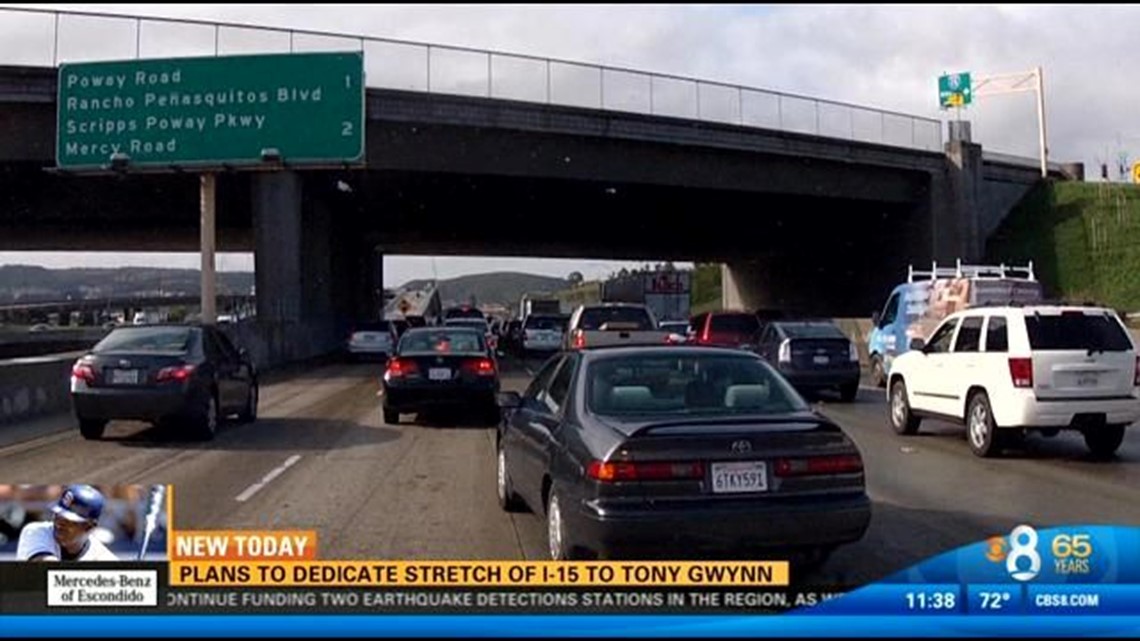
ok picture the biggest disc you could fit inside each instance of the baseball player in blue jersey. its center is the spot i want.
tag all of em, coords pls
(67, 537)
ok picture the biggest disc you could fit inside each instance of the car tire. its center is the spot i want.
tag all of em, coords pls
(1104, 441)
(878, 373)
(207, 418)
(491, 414)
(391, 417)
(902, 419)
(92, 429)
(847, 393)
(509, 501)
(249, 412)
(556, 530)
(981, 431)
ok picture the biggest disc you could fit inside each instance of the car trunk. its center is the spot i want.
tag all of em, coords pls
(444, 369)
(727, 460)
(1080, 355)
(130, 369)
(820, 353)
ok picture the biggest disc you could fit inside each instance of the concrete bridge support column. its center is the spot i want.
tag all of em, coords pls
(277, 245)
(957, 202)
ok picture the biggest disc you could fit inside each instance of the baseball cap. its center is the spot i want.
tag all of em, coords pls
(79, 503)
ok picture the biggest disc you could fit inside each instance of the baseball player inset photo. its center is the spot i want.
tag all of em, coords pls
(82, 523)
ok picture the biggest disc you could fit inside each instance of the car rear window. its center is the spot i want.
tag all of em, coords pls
(379, 326)
(463, 312)
(811, 330)
(1075, 331)
(594, 317)
(738, 323)
(687, 384)
(441, 341)
(146, 339)
(545, 322)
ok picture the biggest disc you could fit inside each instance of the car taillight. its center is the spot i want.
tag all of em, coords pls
(83, 372)
(1021, 372)
(480, 366)
(612, 472)
(398, 368)
(785, 352)
(705, 334)
(176, 373)
(816, 465)
(579, 339)
(852, 353)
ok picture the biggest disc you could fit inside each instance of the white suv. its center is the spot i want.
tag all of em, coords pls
(1004, 370)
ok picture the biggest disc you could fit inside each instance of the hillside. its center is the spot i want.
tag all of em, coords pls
(1083, 239)
(504, 288)
(28, 284)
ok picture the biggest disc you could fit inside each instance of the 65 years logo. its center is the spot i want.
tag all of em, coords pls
(1070, 553)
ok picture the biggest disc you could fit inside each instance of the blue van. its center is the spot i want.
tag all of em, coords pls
(915, 308)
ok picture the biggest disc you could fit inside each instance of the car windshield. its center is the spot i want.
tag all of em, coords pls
(594, 317)
(545, 322)
(442, 341)
(811, 330)
(146, 339)
(687, 384)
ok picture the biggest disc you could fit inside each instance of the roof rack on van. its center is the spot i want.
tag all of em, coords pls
(971, 271)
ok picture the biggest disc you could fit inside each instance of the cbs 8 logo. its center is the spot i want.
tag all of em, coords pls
(1023, 545)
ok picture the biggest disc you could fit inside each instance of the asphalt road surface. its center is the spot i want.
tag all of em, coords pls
(320, 457)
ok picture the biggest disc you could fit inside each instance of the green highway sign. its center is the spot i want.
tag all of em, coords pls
(210, 112)
(954, 90)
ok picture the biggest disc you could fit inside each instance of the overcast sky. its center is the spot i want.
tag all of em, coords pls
(881, 56)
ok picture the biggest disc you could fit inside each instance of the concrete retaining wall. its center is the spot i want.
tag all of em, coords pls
(31, 387)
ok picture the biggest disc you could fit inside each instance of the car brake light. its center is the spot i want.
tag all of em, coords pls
(705, 333)
(481, 366)
(785, 353)
(817, 465)
(398, 368)
(579, 339)
(83, 372)
(611, 472)
(177, 373)
(1021, 372)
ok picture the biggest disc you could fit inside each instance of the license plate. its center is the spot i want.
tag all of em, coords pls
(820, 360)
(1087, 380)
(439, 374)
(739, 477)
(124, 377)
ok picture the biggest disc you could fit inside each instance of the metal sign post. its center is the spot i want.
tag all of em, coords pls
(1017, 83)
(207, 191)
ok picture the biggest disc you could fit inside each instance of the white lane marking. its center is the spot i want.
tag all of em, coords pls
(274, 473)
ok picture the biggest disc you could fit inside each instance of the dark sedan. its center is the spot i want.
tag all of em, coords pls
(813, 355)
(440, 367)
(633, 451)
(185, 375)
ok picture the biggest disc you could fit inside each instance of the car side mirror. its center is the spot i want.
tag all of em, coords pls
(918, 344)
(510, 400)
(876, 317)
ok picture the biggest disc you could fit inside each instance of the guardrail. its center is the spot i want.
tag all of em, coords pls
(48, 37)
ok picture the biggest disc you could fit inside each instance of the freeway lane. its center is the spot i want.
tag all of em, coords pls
(320, 457)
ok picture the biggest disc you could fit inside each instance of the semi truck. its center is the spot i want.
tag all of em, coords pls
(666, 293)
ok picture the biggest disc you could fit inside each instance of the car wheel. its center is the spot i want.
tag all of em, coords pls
(981, 431)
(556, 528)
(249, 413)
(1104, 441)
(391, 417)
(847, 393)
(878, 374)
(903, 419)
(206, 422)
(92, 429)
(508, 500)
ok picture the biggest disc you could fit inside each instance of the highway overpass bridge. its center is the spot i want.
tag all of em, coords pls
(822, 220)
